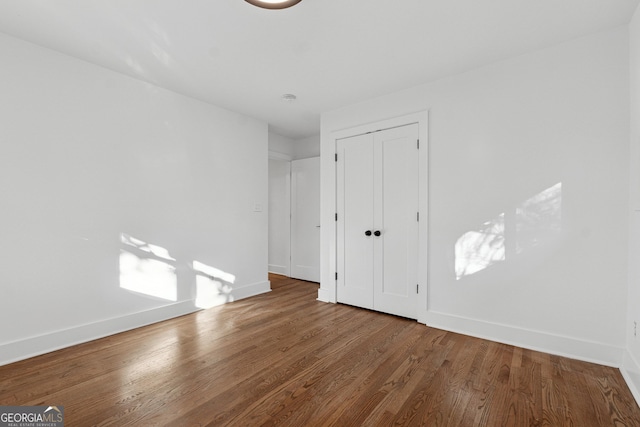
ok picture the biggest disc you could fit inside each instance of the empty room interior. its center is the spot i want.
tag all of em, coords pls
(363, 212)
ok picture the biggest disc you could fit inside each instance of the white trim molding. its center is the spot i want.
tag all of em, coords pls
(251, 290)
(46, 343)
(279, 156)
(35, 346)
(574, 348)
(630, 370)
(278, 269)
(326, 295)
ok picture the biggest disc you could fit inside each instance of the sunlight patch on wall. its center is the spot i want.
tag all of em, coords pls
(477, 250)
(148, 276)
(214, 272)
(151, 272)
(158, 251)
(532, 223)
(213, 286)
(539, 218)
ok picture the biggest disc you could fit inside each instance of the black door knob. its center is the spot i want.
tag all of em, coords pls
(377, 232)
(367, 233)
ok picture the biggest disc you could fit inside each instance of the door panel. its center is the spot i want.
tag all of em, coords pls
(305, 219)
(355, 207)
(395, 291)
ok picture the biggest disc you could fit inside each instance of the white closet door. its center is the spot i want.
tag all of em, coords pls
(396, 217)
(355, 218)
(377, 188)
(305, 219)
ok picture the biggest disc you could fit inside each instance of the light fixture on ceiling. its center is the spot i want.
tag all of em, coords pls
(288, 97)
(274, 4)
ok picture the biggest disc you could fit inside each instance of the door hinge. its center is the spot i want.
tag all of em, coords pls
(418, 144)
(336, 275)
(336, 216)
(417, 289)
(336, 157)
(418, 216)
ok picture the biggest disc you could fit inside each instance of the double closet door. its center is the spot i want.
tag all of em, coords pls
(377, 222)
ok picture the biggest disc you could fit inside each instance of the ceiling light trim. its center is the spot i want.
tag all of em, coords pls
(270, 5)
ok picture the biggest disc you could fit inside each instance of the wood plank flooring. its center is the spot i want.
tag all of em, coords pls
(284, 358)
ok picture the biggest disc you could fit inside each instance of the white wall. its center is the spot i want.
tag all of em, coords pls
(529, 173)
(86, 155)
(280, 147)
(280, 216)
(632, 359)
(306, 147)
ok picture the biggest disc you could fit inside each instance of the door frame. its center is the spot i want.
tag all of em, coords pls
(328, 285)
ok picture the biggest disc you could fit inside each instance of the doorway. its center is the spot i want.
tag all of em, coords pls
(294, 218)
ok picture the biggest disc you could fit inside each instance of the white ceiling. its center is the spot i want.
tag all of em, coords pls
(330, 53)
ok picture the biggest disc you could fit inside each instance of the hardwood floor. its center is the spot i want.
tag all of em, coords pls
(284, 358)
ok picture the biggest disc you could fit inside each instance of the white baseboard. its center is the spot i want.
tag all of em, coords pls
(279, 269)
(251, 290)
(46, 343)
(587, 351)
(35, 346)
(326, 295)
(631, 373)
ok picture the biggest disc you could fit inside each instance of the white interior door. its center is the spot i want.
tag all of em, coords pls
(377, 230)
(279, 216)
(305, 219)
(396, 217)
(355, 222)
